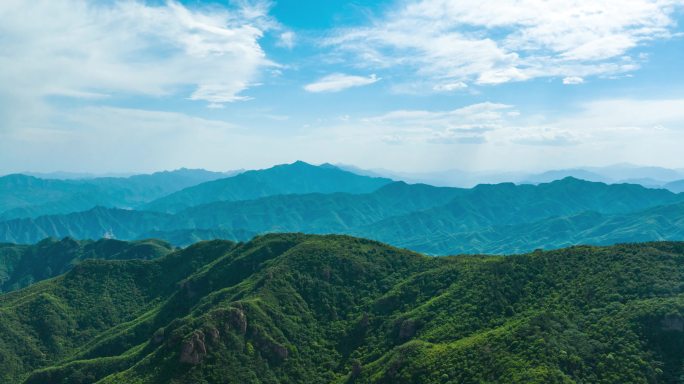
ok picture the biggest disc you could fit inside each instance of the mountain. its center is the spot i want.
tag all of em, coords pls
(651, 177)
(654, 224)
(240, 220)
(435, 220)
(292, 308)
(617, 173)
(22, 265)
(474, 221)
(95, 223)
(675, 186)
(28, 196)
(579, 173)
(295, 178)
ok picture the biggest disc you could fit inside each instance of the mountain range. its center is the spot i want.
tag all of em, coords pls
(29, 196)
(23, 265)
(653, 177)
(293, 308)
(489, 218)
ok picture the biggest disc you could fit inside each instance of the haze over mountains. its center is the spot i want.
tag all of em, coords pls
(30, 196)
(189, 205)
(617, 173)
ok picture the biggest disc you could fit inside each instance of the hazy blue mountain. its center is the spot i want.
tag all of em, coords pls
(295, 178)
(467, 219)
(499, 218)
(28, 196)
(579, 173)
(675, 186)
(654, 224)
(618, 173)
(239, 220)
(652, 177)
(95, 223)
(316, 213)
(138, 189)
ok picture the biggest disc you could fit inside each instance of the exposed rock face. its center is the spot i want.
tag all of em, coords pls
(238, 320)
(273, 349)
(194, 349)
(672, 323)
(214, 335)
(158, 336)
(280, 351)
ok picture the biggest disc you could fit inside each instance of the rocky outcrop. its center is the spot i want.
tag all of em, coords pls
(214, 335)
(193, 350)
(237, 320)
(158, 336)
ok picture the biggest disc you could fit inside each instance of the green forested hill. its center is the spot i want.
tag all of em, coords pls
(22, 265)
(298, 308)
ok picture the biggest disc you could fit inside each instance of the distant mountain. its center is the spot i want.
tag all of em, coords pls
(23, 265)
(487, 206)
(675, 186)
(239, 220)
(500, 218)
(549, 176)
(618, 173)
(295, 178)
(652, 177)
(95, 223)
(292, 308)
(654, 224)
(28, 196)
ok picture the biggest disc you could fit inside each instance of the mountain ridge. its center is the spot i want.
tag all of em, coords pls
(309, 308)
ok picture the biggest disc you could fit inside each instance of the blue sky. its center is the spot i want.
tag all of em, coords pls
(408, 85)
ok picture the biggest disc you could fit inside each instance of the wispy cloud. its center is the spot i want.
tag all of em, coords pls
(467, 125)
(453, 42)
(339, 81)
(78, 48)
(573, 80)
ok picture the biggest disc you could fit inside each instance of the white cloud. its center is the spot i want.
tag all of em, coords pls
(338, 82)
(78, 48)
(573, 80)
(107, 139)
(468, 124)
(451, 41)
(448, 87)
(287, 39)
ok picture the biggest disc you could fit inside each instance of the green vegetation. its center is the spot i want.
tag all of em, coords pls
(23, 265)
(294, 308)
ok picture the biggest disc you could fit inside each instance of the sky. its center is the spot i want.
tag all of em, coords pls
(407, 85)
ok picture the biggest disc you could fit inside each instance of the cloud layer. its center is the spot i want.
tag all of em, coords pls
(84, 49)
(500, 41)
(338, 82)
